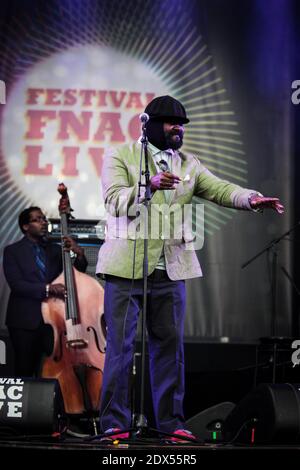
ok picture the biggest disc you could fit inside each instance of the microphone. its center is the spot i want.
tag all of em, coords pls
(144, 117)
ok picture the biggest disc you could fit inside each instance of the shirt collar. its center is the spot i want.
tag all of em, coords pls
(42, 242)
(155, 151)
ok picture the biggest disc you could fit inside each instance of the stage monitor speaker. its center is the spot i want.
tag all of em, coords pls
(270, 414)
(208, 424)
(30, 406)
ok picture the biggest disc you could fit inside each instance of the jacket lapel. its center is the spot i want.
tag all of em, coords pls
(30, 255)
(159, 196)
(176, 170)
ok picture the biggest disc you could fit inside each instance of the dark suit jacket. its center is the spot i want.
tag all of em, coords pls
(23, 277)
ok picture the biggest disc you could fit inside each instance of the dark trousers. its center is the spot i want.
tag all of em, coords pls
(165, 324)
(29, 347)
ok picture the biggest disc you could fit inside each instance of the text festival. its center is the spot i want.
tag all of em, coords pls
(84, 123)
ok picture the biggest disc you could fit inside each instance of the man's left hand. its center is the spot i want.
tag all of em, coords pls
(70, 244)
(261, 202)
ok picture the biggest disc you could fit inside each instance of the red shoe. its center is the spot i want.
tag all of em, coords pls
(182, 433)
(116, 436)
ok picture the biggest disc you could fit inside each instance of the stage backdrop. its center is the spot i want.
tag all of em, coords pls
(78, 74)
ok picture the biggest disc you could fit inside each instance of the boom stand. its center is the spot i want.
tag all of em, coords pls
(273, 341)
(272, 248)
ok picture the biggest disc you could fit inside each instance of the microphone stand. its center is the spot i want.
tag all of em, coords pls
(141, 427)
(141, 421)
(272, 247)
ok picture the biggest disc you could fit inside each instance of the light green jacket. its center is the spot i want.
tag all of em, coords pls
(169, 223)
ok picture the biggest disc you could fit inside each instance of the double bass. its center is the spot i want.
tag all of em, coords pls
(77, 358)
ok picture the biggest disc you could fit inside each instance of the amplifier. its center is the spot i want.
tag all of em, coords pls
(87, 231)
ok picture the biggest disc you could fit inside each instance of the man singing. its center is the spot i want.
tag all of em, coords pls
(175, 177)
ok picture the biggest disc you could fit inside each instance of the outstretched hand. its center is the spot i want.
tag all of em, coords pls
(261, 202)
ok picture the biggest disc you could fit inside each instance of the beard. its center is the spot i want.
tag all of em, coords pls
(174, 139)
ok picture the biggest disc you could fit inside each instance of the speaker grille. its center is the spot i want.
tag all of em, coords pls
(91, 254)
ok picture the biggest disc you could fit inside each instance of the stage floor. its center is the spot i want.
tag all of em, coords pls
(136, 453)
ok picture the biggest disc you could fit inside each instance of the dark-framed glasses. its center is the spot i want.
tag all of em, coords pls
(39, 220)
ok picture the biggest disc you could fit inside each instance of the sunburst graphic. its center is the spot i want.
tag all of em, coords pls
(160, 34)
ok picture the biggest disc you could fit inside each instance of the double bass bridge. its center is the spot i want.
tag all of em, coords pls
(77, 343)
(75, 337)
